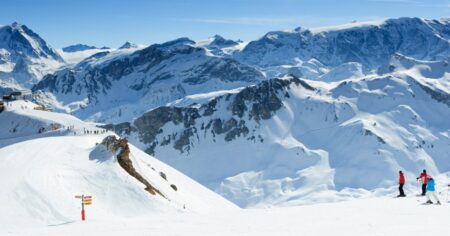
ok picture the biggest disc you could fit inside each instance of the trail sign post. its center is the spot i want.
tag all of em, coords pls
(85, 200)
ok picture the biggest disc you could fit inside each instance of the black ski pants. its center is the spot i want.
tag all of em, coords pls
(400, 188)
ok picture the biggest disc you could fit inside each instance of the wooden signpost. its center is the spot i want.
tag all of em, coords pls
(85, 200)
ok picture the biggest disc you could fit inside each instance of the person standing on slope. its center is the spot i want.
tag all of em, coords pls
(424, 177)
(431, 192)
(401, 182)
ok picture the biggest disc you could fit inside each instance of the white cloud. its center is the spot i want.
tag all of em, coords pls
(303, 21)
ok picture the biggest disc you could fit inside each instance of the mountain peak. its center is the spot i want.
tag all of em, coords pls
(217, 37)
(21, 28)
(217, 41)
(221, 41)
(128, 45)
(28, 54)
(16, 25)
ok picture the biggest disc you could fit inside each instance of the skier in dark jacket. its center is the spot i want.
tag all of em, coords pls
(401, 182)
(424, 177)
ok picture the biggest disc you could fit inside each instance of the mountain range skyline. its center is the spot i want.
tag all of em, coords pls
(87, 22)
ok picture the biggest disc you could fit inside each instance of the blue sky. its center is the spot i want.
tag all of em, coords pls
(112, 22)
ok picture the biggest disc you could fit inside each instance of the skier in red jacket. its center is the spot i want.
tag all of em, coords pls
(424, 177)
(401, 182)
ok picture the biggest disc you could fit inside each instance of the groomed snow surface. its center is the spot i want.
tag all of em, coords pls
(376, 216)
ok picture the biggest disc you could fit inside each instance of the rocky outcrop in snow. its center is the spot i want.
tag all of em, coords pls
(120, 146)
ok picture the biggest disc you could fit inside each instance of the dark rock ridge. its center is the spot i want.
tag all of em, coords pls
(437, 95)
(115, 145)
(256, 103)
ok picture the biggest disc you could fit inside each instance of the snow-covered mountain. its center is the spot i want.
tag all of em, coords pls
(118, 85)
(47, 159)
(24, 57)
(312, 52)
(78, 47)
(291, 141)
(220, 46)
(128, 45)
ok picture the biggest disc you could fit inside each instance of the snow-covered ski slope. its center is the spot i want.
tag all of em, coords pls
(22, 119)
(369, 217)
(41, 173)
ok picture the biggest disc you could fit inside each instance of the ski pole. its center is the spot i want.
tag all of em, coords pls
(417, 184)
(448, 189)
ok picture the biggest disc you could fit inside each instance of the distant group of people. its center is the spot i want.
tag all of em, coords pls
(102, 131)
(71, 129)
(428, 187)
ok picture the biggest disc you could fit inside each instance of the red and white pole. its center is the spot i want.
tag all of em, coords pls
(82, 208)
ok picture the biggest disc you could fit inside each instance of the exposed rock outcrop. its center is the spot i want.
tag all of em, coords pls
(120, 146)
